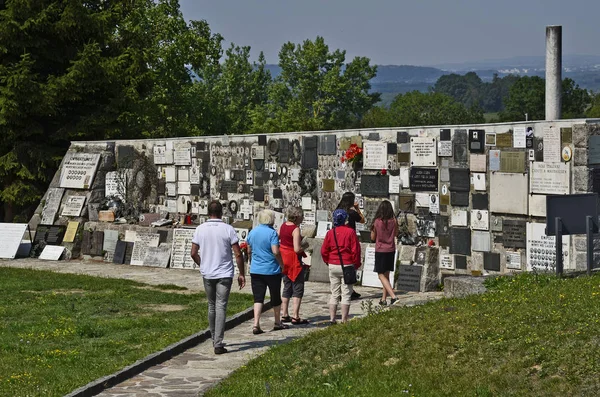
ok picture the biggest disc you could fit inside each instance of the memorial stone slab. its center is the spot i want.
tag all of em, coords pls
(327, 145)
(73, 206)
(406, 203)
(52, 252)
(481, 241)
(402, 137)
(538, 147)
(480, 201)
(53, 200)
(409, 278)
(512, 162)
(476, 141)
(480, 220)
(140, 247)
(97, 243)
(459, 180)
(374, 155)
(459, 199)
(423, 152)
(128, 252)
(496, 223)
(423, 179)
(460, 262)
(460, 136)
(552, 146)
(55, 234)
(115, 184)
(550, 178)
(494, 162)
(78, 170)
(461, 154)
(310, 158)
(119, 255)
(375, 185)
(157, 256)
(491, 261)
(86, 242)
(460, 241)
(508, 193)
(11, 235)
(110, 241)
(513, 233)
(284, 150)
(125, 156)
(181, 248)
(392, 148)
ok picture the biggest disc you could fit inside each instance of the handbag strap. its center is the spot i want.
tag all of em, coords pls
(338, 247)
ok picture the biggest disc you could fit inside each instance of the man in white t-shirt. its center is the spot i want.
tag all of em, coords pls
(212, 247)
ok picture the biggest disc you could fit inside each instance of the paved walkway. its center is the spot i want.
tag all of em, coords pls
(198, 369)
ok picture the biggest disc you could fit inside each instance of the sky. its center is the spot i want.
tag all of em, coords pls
(400, 32)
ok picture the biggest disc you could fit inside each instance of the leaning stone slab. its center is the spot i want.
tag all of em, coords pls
(458, 287)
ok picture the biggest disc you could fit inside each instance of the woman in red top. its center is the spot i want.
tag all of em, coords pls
(348, 247)
(290, 246)
(383, 232)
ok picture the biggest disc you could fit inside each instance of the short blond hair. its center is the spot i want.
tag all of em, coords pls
(266, 217)
(294, 213)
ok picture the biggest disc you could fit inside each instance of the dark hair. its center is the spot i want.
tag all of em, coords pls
(384, 212)
(347, 201)
(215, 209)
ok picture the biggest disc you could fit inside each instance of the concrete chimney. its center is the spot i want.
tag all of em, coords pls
(553, 72)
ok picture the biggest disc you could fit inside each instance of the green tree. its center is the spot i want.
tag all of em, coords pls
(594, 110)
(316, 90)
(417, 108)
(575, 100)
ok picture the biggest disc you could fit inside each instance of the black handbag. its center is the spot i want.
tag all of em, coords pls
(349, 271)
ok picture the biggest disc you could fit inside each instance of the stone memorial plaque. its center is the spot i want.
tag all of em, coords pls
(128, 252)
(550, 178)
(476, 141)
(53, 200)
(496, 223)
(116, 184)
(478, 162)
(538, 148)
(423, 152)
(329, 185)
(157, 256)
(460, 241)
(160, 155)
(461, 154)
(519, 137)
(110, 241)
(78, 170)
(513, 260)
(140, 246)
(73, 206)
(490, 139)
(327, 145)
(170, 174)
(186, 187)
(171, 189)
(442, 225)
(161, 187)
(11, 235)
(262, 140)
(147, 218)
(480, 201)
(459, 180)
(459, 217)
(257, 152)
(508, 193)
(504, 140)
(180, 251)
(402, 137)
(97, 243)
(481, 241)
(552, 146)
(52, 252)
(541, 249)
(183, 175)
(512, 162)
(392, 148)
(460, 262)
(55, 235)
(445, 134)
(406, 203)
(71, 232)
(459, 199)
(395, 184)
(423, 179)
(460, 136)
(374, 155)
(445, 174)
(513, 233)
(369, 277)
(494, 160)
(491, 261)
(183, 157)
(480, 220)
(125, 156)
(409, 278)
(119, 255)
(446, 260)
(375, 185)
(566, 135)
(86, 242)
(310, 158)
(283, 154)
(445, 148)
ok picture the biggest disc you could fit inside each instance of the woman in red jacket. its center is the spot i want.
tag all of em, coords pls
(348, 250)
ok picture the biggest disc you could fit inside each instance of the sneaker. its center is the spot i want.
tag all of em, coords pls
(383, 303)
(355, 295)
(220, 350)
(394, 301)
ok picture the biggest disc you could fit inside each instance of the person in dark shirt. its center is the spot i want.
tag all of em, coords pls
(349, 204)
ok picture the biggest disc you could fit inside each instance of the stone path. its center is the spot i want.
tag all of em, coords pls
(198, 369)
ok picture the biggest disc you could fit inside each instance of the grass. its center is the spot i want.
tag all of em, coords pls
(60, 331)
(532, 335)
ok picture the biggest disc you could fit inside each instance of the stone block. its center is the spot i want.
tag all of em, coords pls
(458, 287)
(318, 269)
(580, 136)
(580, 157)
(476, 262)
(582, 181)
(580, 243)
(432, 275)
(407, 254)
(106, 216)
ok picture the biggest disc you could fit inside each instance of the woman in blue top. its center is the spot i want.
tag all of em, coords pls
(265, 268)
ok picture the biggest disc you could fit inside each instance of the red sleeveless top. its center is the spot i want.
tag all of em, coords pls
(285, 235)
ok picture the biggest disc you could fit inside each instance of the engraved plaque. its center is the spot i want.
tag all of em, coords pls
(423, 179)
(327, 145)
(460, 262)
(504, 139)
(11, 235)
(566, 135)
(512, 162)
(119, 256)
(182, 246)
(409, 278)
(491, 261)
(310, 157)
(480, 201)
(284, 150)
(550, 178)
(97, 243)
(513, 232)
(460, 241)
(460, 152)
(423, 152)
(459, 199)
(459, 180)
(128, 252)
(374, 185)
(476, 141)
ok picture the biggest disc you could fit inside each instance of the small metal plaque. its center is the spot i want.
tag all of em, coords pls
(512, 162)
(329, 185)
(476, 141)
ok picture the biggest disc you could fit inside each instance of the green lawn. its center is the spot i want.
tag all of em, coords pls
(533, 335)
(61, 331)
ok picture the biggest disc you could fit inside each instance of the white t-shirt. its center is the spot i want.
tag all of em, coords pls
(214, 239)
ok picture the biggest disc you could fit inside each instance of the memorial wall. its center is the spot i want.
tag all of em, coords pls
(469, 198)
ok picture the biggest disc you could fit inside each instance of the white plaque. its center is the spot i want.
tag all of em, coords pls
(541, 249)
(550, 178)
(434, 203)
(11, 235)
(182, 204)
(446, 260)
(116, 184)
(422, 199)
(294, 174)
(140, 245)
(458, 217)
(552, 148)
(322, 228)
(310, 218)
(513, 260)
(183, 157)
(110, 240)
(423, 152)
(537, 205)
(183, 175)
(394, 185)
(374, 155)
(171, 189)
(184, 188)
(481, 241)
(404, 177)
(195, 175)
(73, 206)
(478, 162)
(170, 174)
(307, 203)
(157, 256)
(445, 148)
(480, 220)
(129, 236)
(171, 205)
(369, 277)
(478, 181)
(508, 193)
(53, 199)
(182, 247)
(52, 252)
(160, 155)
(322, 215)
(519, 137)
(78, 170)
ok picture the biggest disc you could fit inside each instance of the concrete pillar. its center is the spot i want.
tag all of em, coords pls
(553, 72)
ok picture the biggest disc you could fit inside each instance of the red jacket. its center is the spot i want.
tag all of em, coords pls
(348, 243)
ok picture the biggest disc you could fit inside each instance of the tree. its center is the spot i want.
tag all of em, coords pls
(417, 108)
(316, 90)
(575, 100)
(594, 109)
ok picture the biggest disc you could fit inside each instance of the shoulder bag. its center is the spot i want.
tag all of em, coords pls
(349, 271)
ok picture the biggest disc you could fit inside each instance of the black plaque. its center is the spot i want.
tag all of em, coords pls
(445, 134)
(162, 236)
(375, 185)
(392, 148)
(97, 243)
(259, 194)
(409, 278)
(421, 255)
(125, 154)
(40, 234)
(284, 150)
(161, 187)
(460, 199)
(310, 158)
(204, 158)
(119, 255)
(128, 252)
(327, 145)
(460, 240)
(444, 241)
(238, 175)
(538, 148)
(480, 201)
(460, 152)
(423, 179)
(491, 261)
(442, 225)
(460, 136)
(260, 177)
(195, 190)
(529, 142)
(373, 136)
(402, 137)
(262, 140)
(513, 233)
(259, 165)
(200, 146)
(460, 262)
(459, 180)
(476, 141)
(55, 235)
(277, 194)
(86, 243)
(229, 186)
(596, 180)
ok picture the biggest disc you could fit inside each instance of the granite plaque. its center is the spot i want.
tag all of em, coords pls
(460, 136)
(283, 154)
(86, 242)
(491, 261)
(310, 158)
(476, 141)
(119, 255)
(375, 185)
(459, 180)
(513, 232)
(157, 256)
(480, 201)
(460, 241)
(53, 200)
(459, 199)
(97, 243)
(262, 140)
(445, 134)
(496, 223)
(409, 278)
(182, 246)
(481, 241)
(11, 235)
(423, 152)
(55, 234)
(128, 252)
(461, 153)
(460, 262)
(402, 137)
(512, 162)
(392, 148)
(550, 178)
(125, 156)
(78, 170)
(423, 179)
(327, 145)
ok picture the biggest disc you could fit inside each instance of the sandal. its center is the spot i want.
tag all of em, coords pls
(257, 331)
(286, 319)
(299, 321)
(280, 326)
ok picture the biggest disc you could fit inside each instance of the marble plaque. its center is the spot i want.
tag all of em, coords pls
(257, 152)
(73, 206)
(446, 260)
(477, 162)
(78, 170)
(157, 256)
(181, 249)
(513, 233)
(183, 175)
(512, 162)
(323, 228)
(170, 174)
(11, 235)
(504, 140)
(494, 160)
(550, 178)
(327, 145)
(52, 252)
(460, 241)
(374, 155)
(423, 179)
(478, 181)
(369, 277)
(409, 278)
(552, 147)
(513, 260)
(51, 205)
(434, 203)
(160, 155)
(508, 193)
(541, 249)
(445, 174)
(115, 184)
(375, 185)
(481, 241)
(519, 137)
(423, 152)
(394, 184)
(185, 188)
(110, 241)
(537, 205)
(183, 157)
(404, 177)
(458, 217)
(480, 220)
(140, 246)
(71, 232)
